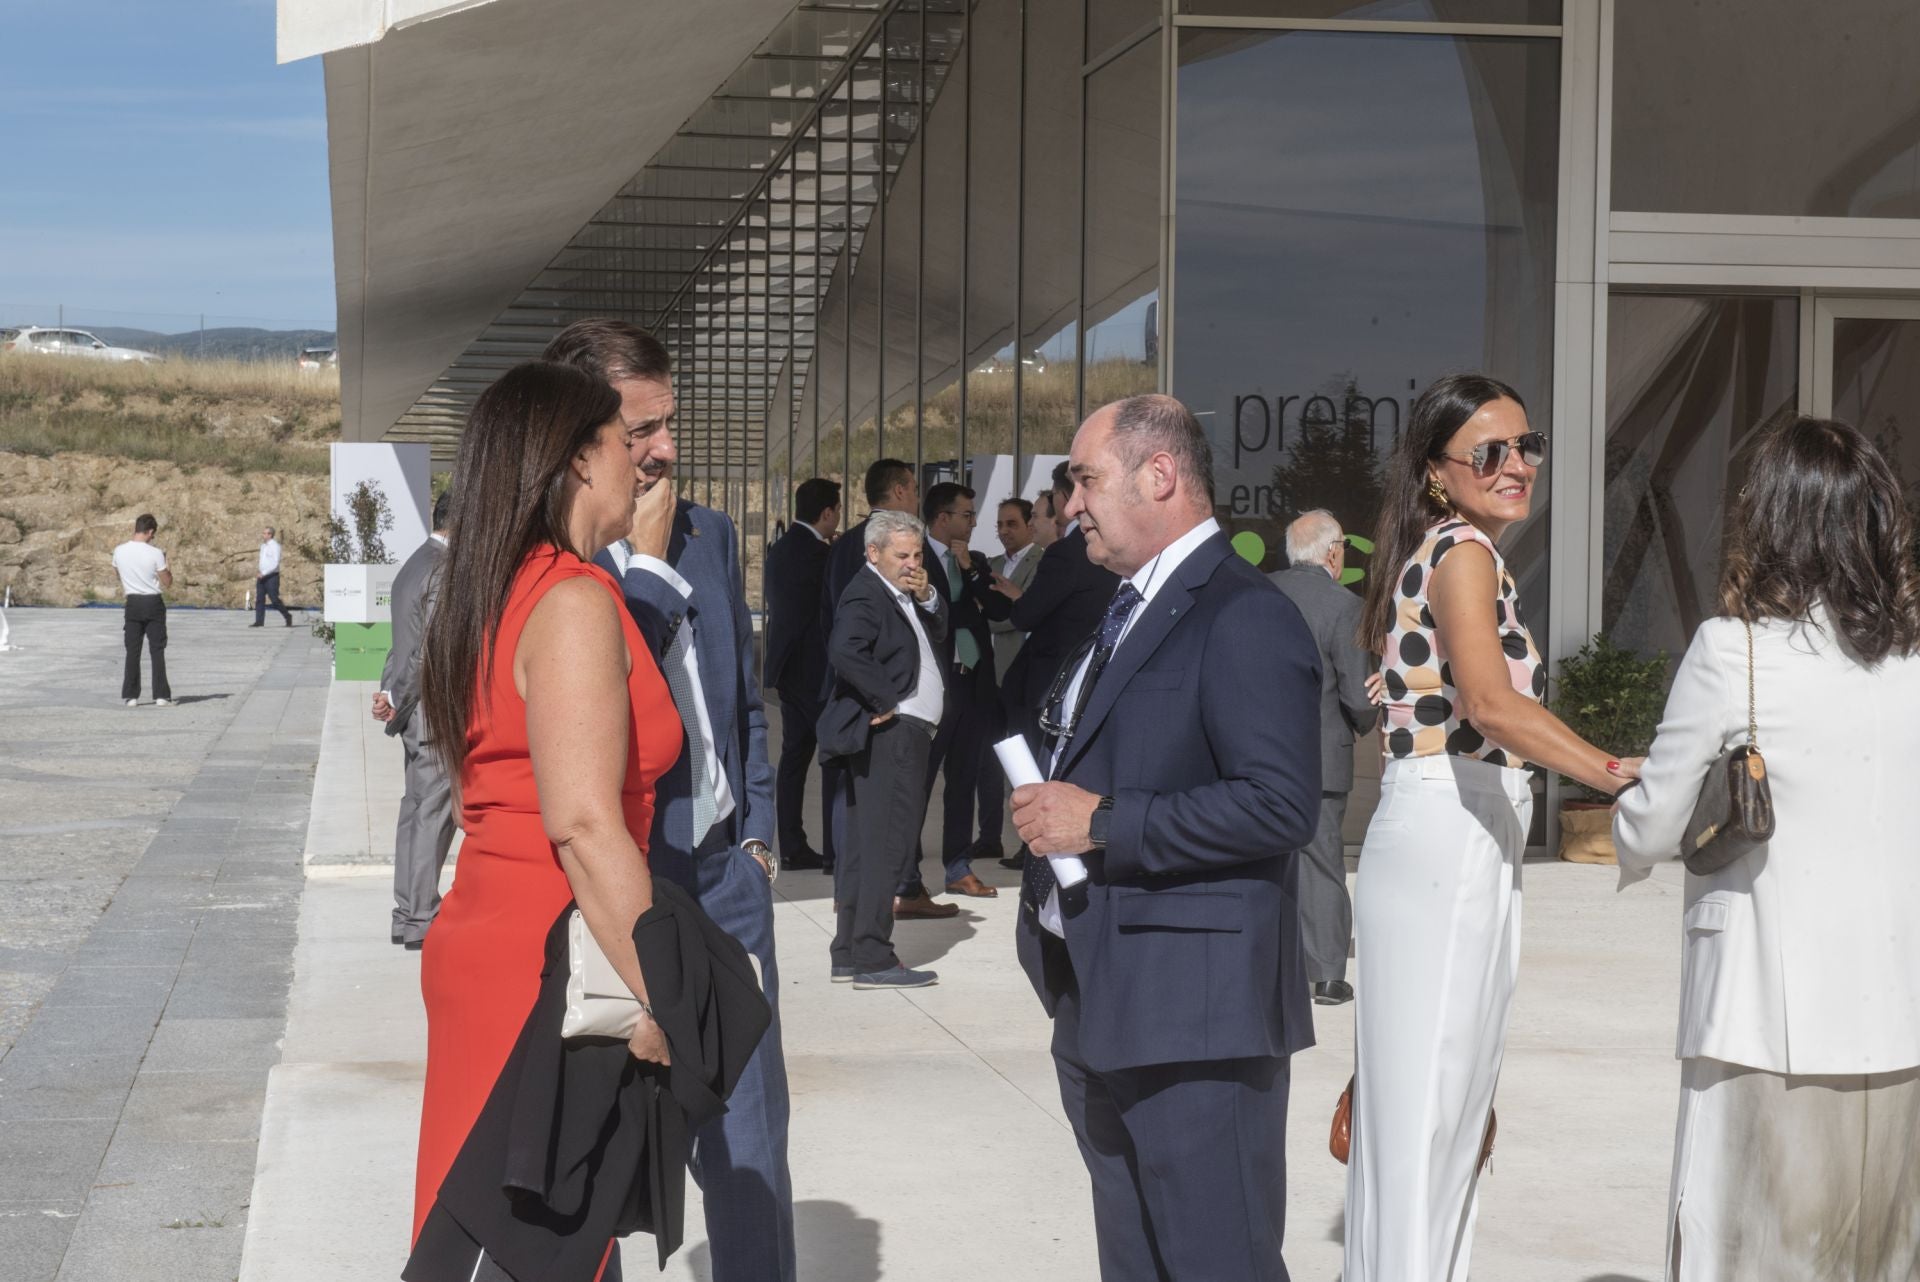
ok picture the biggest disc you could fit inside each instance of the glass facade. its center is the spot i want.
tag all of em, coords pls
(1774, 107)
(1876, 387)
(1357, 245)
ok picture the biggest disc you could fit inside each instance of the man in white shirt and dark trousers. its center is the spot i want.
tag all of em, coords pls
(268, 582)
(881, 716)
(143, 577)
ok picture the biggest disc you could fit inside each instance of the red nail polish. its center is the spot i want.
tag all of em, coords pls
(1613, 765)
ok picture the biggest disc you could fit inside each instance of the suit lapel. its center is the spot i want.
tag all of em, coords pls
(1158, 617)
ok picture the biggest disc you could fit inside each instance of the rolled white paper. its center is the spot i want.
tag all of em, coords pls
(1017, 760)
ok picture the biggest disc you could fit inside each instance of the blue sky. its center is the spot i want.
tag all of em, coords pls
(156, 164)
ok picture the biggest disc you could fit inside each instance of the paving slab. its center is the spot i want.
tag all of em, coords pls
(156, 856)
(924, 1122)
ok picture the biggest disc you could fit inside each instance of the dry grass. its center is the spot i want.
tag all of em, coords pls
(276, 381)
(240, 415)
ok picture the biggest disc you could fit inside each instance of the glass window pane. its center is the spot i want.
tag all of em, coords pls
(1766, 107)
(1050, 253)
(944, 149)
(1876, 387)
(1689, 380)
(1111, 21)
(1123, 227)
(1353, 248)
(993, 166)
(1529, 12)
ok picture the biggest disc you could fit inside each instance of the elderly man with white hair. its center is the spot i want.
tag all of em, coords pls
(887, 695)
(1316, 555)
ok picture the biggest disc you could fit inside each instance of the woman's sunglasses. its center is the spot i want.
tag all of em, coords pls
(1489, 457)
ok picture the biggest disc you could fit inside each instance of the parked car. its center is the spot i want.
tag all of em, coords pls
(69, 342)
(319, 358)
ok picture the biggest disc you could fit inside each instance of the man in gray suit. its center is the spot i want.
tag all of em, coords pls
(425, 831)
(1316, 554)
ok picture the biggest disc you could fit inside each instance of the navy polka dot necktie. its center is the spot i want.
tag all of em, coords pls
(1037, 881)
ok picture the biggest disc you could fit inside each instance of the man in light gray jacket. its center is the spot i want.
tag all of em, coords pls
(1316, 554)
(425, 831)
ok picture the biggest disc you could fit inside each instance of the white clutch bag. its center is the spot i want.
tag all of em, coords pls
(599, 1003)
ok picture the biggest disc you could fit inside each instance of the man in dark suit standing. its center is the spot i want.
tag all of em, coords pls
(1316, 554)
(680, 570)
(1157, 922)
(796, 659)
(425, 831)
(1058, 612)
(972, 717)
(881, 717)
(890, 486)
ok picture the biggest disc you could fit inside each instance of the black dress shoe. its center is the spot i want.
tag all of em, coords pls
(804, 861)
(987, 848)
(415, 945)
(826, 866)
(1016, 860)
(256, 625)
(1332, 992)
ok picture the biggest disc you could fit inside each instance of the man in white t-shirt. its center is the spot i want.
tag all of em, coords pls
(144, 576)
(266, 585)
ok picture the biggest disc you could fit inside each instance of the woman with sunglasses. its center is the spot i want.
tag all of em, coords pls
(1437, 906)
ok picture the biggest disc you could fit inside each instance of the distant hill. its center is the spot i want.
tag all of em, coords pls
(233, 344)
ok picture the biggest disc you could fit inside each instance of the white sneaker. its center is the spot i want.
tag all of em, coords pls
(163, 703)
(133, 703)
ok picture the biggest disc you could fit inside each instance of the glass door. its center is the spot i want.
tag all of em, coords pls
(1866, 371)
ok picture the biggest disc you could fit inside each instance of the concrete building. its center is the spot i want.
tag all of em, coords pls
(942, 229)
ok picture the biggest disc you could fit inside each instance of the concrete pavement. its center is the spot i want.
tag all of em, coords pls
(928, 1140)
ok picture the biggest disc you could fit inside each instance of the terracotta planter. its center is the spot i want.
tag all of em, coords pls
(1586, 833)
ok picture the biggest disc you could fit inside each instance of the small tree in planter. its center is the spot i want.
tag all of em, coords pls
(1613, 699)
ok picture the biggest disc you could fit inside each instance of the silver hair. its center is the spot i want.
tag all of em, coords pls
(1311, 536)
(883, 525)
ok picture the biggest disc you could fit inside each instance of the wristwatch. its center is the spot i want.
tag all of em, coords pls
(764, 853)
(1101, 820)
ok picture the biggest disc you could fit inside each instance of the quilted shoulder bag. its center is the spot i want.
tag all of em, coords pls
(1735, 812)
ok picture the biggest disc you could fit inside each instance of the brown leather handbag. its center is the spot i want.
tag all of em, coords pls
(1734, 815)
(1340, 1141)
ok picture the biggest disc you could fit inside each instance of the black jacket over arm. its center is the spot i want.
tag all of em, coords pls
(579, 1142)
(874, 659)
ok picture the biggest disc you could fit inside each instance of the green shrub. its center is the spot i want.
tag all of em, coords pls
(1612, 698)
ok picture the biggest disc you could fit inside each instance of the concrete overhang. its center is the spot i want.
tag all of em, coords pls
(468, 143)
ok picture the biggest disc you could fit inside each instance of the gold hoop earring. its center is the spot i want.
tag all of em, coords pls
(1438, 492)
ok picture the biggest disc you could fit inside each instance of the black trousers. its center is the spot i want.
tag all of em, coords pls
(886, 802)
(1189, 1161)
(146, 619)
(799, 712)
(268, 585)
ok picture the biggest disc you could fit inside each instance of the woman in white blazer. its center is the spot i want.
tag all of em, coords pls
(1798, 1147)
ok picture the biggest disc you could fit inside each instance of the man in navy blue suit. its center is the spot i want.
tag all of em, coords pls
(713, 814)
(1160, 929)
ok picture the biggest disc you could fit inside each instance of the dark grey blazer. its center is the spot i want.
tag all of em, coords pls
(1333, 616)
(414, 590)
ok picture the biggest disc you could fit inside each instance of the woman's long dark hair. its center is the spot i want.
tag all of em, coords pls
(1821, 518)
(509, 488)
(1407, 510)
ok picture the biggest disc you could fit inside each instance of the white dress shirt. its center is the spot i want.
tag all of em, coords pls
(1071, 870)
(928, 699)
(139, 564)
(269, 557)
(1012, 560)
(683, 653)
(816, 533)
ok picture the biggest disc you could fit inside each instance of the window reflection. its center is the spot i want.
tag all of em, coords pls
(1357, 214)
(1876, 387)
(1689, 380)
(1755, 107)
(1123, 227)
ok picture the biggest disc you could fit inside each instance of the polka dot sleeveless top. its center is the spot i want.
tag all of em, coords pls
(1420, 718)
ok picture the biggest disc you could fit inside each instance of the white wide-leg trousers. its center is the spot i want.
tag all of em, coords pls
(1437, 943)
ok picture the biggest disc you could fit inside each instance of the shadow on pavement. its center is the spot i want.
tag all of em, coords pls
(201, 698)
(831, 1240)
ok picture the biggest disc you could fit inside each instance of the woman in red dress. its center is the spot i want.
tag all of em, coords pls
(555, 721)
